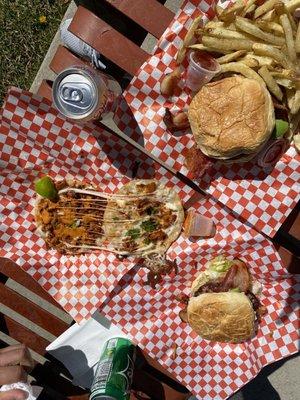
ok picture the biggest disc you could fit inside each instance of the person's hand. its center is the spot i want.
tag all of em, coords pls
(15, 363)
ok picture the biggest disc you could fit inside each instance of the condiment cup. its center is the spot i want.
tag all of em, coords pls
(197, 76)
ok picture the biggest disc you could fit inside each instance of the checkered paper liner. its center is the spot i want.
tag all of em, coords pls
(35, 140)
(263, 198)
(210, 370)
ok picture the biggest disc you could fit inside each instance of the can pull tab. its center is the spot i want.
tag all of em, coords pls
(78, 94)
(72, 94)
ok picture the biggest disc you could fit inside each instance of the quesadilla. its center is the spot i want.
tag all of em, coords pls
(144, 217)
(147, 225)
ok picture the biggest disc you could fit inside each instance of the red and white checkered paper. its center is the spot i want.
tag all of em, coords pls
(35, 140)
(263, 199)
(211, 371)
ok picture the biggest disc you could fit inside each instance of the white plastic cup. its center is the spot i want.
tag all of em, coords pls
(197, 76)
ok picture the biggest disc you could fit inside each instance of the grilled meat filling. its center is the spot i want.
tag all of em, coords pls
(238, 278)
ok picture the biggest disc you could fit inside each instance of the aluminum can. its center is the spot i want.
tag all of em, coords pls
(84, 94)
(114, 372)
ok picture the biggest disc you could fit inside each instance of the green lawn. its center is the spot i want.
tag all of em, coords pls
(25, 38)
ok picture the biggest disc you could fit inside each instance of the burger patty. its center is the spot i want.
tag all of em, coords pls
(237, 277)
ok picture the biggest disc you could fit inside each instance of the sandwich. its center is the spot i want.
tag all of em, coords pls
(223, 305)
(232, 118)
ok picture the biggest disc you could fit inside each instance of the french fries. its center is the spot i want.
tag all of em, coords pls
(201, 47)
(296, 103)
(224, 33)
(292, 5)
(270, 16)
(218, 24)
(231, 56)
(262, 60)
(245, 25)
(290, 94)
(270, 82)
(271, 27)
(228, 14)
(242, 69)
(259, 40)
(289, 39)
(187, 40)
(262, 49)
(250, 62)
(264, 8)
(227, 44)
(250, 10)
(297, 41)
(281, 9)
(282, 73)
(284, 82)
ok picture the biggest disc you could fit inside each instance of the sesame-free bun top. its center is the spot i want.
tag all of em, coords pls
(231, 117)
(222, 317)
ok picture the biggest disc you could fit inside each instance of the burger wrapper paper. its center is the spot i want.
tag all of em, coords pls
(263, 197)
(35, 140)
(209, 369)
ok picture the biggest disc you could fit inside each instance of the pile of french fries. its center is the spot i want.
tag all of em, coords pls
(261, 42)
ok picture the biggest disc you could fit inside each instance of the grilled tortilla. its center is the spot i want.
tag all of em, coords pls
(148, 225)
(68, 222)
(146, 220)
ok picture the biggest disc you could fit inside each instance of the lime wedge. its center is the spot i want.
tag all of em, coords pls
(281, 127)
(45, 187)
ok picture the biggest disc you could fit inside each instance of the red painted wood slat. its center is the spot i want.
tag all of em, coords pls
(31, 311)
(45, 89)
(13, 271)
(24, 335)
(290, 261)
(63, 59)
(149, 14)
(112, 44)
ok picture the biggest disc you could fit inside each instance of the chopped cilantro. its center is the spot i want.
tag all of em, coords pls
(147, 241)
(115, 219)
(133, 233)
(149, 226)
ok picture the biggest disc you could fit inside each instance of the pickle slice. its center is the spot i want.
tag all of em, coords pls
(281, 127)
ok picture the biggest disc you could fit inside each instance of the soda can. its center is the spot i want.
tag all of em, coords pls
(114, 371)
(84, 94)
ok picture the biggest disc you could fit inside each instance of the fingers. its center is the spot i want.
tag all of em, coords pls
(12, 374)
(16, 355)
(15, 394)
(10, 348)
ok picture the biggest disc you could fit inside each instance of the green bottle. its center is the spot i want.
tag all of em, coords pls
(114, 371)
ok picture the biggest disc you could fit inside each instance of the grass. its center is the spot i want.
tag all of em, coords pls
(25, 38)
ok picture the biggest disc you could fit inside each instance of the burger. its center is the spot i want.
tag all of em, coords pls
(223, 305)
(232, 118)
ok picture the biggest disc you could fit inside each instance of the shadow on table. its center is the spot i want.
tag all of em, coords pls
(260, 388)
(127, 123)
(127, 159)
(240, 171)
(121, 285)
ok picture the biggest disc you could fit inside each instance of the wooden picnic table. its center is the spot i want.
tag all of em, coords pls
(129, 22)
